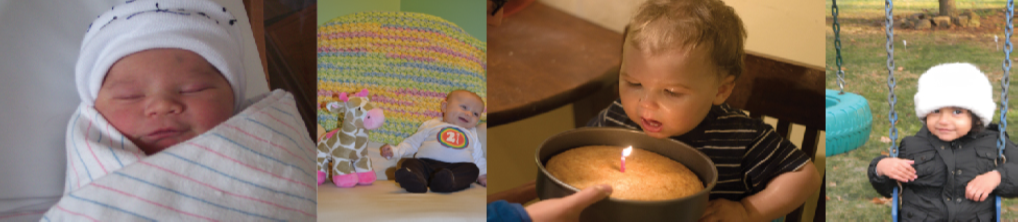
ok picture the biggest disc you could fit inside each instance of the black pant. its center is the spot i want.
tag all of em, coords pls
(442, 176)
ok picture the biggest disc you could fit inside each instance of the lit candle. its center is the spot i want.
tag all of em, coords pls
(625, 153)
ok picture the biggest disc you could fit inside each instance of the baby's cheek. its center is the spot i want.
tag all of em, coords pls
(630, 107)
(124, 119)
(209, 115)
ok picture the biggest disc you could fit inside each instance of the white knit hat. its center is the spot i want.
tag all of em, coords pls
(955, 84)
(200, 26)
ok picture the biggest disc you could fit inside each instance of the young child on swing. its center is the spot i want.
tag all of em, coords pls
(950, 170)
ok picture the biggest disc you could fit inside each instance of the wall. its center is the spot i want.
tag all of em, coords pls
(792, 30)
(463, 13)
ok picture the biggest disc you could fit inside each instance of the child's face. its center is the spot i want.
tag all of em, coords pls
(161, 97)
(669, 93)
(949, 123)
(462, 109)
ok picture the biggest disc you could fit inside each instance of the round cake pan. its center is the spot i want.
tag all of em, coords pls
(688, 208)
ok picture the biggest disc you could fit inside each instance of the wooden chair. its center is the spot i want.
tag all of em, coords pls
(791, 93)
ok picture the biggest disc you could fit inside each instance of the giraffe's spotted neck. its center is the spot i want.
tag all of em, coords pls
(354, 116)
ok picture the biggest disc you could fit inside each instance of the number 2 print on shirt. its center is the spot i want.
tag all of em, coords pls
(453, 138)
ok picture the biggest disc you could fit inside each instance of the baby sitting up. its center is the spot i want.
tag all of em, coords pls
(448, 154)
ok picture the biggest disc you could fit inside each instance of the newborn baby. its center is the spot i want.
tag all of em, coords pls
(448, 154)
(160, 97)
(161, 133)
(162, 76)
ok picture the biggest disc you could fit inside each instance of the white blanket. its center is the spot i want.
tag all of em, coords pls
(257, 166)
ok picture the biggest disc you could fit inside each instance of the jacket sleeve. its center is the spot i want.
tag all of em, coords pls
(502, 211)
(883, 184)
(1008, 172)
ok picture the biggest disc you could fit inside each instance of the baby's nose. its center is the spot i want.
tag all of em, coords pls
(945, 119)
(647, 101)
(162, 106)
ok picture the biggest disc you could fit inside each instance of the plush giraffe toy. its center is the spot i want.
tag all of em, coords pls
(345, 146)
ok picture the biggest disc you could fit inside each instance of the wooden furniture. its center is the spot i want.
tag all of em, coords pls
(290, 41)
(542, 58)
(791, 93)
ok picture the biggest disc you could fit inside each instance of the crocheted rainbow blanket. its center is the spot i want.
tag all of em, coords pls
(408, 61)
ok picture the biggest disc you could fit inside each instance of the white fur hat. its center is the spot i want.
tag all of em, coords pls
(200, 26)
(955, 84)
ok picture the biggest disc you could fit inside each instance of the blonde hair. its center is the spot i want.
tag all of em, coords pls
(661, 25)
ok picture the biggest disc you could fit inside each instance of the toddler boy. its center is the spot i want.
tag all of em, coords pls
(680, 60)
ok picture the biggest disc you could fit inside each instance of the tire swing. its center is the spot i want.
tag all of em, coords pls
(892, 116)
(849, 118)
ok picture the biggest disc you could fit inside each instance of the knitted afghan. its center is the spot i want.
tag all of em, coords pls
(408, 61)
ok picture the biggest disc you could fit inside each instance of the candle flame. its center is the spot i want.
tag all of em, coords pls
(627, 151)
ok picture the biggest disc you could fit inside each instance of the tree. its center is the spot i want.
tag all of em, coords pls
(947, 7)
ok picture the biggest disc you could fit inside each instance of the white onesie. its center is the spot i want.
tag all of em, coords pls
(444, 142)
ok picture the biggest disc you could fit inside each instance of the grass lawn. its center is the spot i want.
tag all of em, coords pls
(850, 196)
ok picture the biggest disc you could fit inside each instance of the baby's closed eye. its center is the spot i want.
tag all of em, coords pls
(194, 88)
(632, 84)
(128, 94)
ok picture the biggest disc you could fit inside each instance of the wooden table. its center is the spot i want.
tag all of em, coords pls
(542, 58)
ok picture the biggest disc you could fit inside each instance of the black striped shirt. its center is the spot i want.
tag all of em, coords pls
(747, 152)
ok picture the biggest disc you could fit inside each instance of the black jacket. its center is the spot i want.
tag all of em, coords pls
(944, 169)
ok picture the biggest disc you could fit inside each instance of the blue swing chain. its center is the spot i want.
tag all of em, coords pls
(1005, 81)
(837, 46)
(892, 99)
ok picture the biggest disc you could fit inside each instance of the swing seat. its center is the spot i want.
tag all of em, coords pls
(895, 210)
(848, 122)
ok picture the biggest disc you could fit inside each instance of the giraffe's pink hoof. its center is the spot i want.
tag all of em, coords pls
(366, 178)
(321, 177)
(345, 180)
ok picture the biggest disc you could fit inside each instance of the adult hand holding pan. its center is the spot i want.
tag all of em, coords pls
(688, 208)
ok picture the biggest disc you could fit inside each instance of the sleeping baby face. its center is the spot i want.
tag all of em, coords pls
(462, 108)
(160, 97)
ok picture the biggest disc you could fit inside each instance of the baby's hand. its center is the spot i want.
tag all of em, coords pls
(980, 187)
(483, 180)
(897, 169)
(386, 151)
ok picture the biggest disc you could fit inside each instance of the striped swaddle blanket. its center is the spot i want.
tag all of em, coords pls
(257, 166)
(408, 61)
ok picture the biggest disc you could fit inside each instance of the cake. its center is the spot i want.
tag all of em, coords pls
(648, 177)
